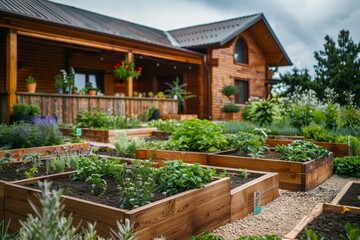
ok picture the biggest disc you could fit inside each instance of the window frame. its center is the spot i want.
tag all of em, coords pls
(98, 74)
(246, 63)
(247, 90)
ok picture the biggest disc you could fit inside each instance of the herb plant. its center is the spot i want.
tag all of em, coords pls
(301, 151)
(176, 177)
(248, 144)
(127, 147)
(347, 166)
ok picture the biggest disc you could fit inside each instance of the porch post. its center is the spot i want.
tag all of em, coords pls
(11, 71)
(130, 87)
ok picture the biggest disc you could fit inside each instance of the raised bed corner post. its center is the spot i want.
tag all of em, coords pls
(130, 87)
(11, 71)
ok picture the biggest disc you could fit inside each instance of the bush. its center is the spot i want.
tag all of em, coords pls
(230, 108)
(248, 144)
(318, 133)
(127, 147)
(228, 91)
(34, 110)
(264, 112)
(199, 135)
(347, 166)
(300, 116)
(21, 109)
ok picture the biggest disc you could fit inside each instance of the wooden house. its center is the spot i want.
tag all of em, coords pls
(39, 38)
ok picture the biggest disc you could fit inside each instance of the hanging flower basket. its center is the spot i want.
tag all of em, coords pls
(126, 69)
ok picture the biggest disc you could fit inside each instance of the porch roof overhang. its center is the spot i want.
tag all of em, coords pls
(41, 29)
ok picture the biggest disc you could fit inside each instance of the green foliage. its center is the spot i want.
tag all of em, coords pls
(300, 115)
(297, 78)
(24, 135)
(199, 135)
(318, 133)
(102, 120)
(124, 231)
(176, 177)
(266, 237)
(127, 147)
(301, 151)
(248, 144)
(338, 66)
(310, 234)
(237, 126)
(137, 185)
(347, 166)
(352, 232)
(178, 89)
(207, 236)
(48, 222)
(4, 234)
(32, 172)
(30, 79)
(34, 110)
(163, 145)
(7, 158)
(230, 108)
(245, 174)
(21, 109)
(228, 91)
(264, 112)
(168, 126)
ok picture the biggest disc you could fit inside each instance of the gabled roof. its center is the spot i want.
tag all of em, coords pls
(214, 33)
(51, 12)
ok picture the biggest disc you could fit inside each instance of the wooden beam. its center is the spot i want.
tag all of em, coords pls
(11, 71)
(130, 85)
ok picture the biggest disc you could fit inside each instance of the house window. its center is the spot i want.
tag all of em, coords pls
(241, 52)
(82, 77)
(243, 91)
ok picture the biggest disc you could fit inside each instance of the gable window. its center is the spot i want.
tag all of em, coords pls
(241, 52)
(83, 77)
(243, 91)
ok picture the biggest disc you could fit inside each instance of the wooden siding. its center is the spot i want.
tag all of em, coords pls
(226, 71)
(67, 106)
(2, 63)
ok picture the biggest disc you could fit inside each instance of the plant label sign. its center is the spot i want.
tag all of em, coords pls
(257, 202)
(78, 132)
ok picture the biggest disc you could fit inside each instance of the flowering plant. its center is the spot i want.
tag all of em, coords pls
(126, 69)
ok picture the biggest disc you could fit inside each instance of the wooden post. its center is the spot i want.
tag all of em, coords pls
(130, 86)
(11, 71)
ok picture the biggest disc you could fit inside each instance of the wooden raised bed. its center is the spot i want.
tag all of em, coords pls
(343, 192)
(242, 197)
(295, 176)
(67, 131)
(179, 116)
(318, 209)
(175, 217)
(338, 149)
(108, 136)
(163, 155)
(49, 150)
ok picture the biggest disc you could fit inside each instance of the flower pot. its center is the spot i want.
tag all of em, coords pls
(60, 91)
(31, 87)
(92, 92)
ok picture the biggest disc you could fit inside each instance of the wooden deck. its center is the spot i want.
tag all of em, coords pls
(67, 106)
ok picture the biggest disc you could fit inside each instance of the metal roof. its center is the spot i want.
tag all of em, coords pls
(213, 33)
(70, 16)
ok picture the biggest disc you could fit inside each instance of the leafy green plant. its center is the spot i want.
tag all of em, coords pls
(352, 232)
(126, 147)
(245, 174)
(30, 79)
(124, 231)
(168, 126)
(266, 237)
(32, 172)
(230, 108)
(34, 110)
(7, 158)
(21, 109)
(301, 151)
(248, 144)
(206, 236)
(264, 112)
(98, 184)
(199, 135)
(300, 115)
(347, 166)
(318, 133)
(176, 177)
(178, 89)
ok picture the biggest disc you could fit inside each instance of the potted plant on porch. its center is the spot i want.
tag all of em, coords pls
(59, 84)
(30, 84)
(90, 89)
(126, 69)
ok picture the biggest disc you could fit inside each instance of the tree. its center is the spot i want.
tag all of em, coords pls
(298, 77)
(338, 67)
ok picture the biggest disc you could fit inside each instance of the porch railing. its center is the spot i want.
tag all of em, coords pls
(67, 106)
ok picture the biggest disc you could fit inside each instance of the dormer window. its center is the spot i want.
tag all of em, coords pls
(241, 52)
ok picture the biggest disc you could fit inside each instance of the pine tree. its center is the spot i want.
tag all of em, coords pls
(298, 78)
(338, 67)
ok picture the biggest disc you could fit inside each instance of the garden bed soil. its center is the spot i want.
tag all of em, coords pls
(326, 220)
(109, 136)
(294, 176)
(175, 217)
(338, 149)
(164, 155)
(45, 151)
(348, 196)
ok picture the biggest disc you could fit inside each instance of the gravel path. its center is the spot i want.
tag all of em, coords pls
(282, 214)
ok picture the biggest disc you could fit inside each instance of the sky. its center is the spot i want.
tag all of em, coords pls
(300, 25)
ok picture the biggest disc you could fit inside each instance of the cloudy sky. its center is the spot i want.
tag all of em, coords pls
(300, 25)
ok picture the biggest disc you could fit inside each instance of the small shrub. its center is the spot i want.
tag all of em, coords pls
(264, 112)
(228, 91)
(301, 151)
(318, 133)
(34, 110)
(176, 177)
(347, 166)
(127, 147)
(230, 108)
(21, 109)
